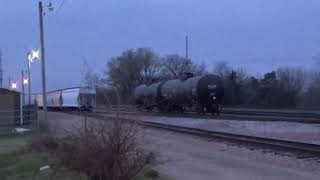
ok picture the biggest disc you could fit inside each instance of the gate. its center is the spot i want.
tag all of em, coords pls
(18, 120)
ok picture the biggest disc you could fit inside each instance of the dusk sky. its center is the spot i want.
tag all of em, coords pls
(259, 35)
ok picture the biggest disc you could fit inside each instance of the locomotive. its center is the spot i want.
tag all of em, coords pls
(202, 94)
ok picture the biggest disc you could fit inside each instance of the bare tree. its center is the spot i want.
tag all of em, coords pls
(149, 65)
(131, 68)
(292, 79)
(222, 69)
(89, 77)
(312, 94)
(174, 66)
(291, 83)
(242, 75)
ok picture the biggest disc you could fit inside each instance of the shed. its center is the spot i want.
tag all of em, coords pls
(9, 106)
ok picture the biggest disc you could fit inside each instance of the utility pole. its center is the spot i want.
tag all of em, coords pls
(22, 86)
(29, 78)
(43, 71)
(186, 47)
(1, 70)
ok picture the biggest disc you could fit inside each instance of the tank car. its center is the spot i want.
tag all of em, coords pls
(202, 93)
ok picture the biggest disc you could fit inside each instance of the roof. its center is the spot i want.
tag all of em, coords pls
(8, 91)
(78, 87)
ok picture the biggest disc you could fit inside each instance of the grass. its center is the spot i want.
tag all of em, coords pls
(22, 164)
(19, 163)
(10, 143)
(7, 130)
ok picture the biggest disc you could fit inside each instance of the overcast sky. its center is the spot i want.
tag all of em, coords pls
(259, 35)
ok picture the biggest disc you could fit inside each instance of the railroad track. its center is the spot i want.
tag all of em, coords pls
(311, 149)
(277, 113)
(234, 114)
(267, 142)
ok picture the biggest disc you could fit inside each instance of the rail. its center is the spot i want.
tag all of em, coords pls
(265, 142)
(305, 116)
(273, 112)
(299, 146)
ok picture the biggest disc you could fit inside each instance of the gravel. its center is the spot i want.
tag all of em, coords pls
(187, 157)
(300, 132)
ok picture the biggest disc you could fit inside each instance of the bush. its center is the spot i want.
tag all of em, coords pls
(42, 141)
(153, 174)
(106, 150)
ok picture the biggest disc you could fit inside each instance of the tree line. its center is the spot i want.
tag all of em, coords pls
(285, 87)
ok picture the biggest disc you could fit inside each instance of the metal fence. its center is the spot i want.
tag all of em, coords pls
(18, 120)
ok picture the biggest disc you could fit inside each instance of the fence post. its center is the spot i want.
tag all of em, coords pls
(85, 121)
(21, 110)
(35, 113)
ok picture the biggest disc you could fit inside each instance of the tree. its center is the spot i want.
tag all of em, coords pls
(250, 89)
(175, 66)
(89, 77)
(281, 88)
(291, 83)
(234, 83)
(266, 90)
(131, 68)
(311, 97)
(106, 96)
(222, 69)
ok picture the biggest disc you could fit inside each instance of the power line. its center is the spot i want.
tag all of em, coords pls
(60, 7)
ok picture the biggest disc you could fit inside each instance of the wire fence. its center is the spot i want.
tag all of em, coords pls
(18, 120)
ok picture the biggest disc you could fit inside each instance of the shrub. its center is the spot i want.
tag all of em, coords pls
(153, 174)
(110, 150)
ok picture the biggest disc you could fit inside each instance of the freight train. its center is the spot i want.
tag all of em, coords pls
(76, 98)
(200, 93)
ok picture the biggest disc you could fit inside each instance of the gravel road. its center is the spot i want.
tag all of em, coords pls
(188, 157)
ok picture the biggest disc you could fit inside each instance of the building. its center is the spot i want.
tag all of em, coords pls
(10, 106)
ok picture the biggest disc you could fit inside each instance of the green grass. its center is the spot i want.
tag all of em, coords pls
(21, 165)
(17, 162)
(10, 143)
(7, 130)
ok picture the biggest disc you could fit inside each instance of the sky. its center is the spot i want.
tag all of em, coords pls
(259, 35)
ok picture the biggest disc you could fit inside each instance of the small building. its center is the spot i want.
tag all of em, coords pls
(10, 106)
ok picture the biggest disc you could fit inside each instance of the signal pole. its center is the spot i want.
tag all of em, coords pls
(43, 70)
(187, 47)
(22, 86)
(29, 77)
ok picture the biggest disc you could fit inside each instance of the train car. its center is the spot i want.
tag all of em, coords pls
(80, 98)
(201, 93)
(147, 96)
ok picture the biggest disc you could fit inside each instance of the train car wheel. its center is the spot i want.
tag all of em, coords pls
(214, 110)
(182, 109)
(218, 110)
(200, 109)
